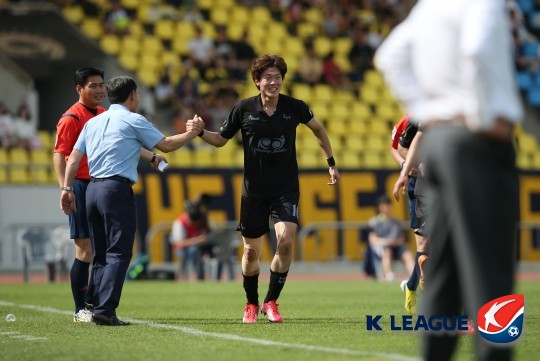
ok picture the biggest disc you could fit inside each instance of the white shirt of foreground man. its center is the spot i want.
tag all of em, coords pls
(444, 62)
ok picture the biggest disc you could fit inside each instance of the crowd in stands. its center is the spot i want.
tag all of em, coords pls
(18, 129)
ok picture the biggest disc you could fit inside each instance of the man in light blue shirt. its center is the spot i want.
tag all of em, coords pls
(112, 142)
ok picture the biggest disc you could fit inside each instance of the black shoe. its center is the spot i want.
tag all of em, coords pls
(108, 320)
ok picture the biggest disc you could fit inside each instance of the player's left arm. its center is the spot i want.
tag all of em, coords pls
(324, 142)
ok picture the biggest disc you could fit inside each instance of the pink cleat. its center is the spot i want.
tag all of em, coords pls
(251, 313)
(271, 310)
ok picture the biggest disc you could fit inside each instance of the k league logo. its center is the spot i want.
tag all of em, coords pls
(501, 320)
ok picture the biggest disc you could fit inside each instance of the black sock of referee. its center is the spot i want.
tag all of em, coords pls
(79, 282)
(277, 281)
(251, 285)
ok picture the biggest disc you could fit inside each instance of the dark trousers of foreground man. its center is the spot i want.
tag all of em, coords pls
(472, 217)
(112, 218)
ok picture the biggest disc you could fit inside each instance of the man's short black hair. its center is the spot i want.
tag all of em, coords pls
(81, 75)
(384, 199)
(119, 89)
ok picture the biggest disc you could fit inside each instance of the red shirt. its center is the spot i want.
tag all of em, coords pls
(68, 129)
(398, 130)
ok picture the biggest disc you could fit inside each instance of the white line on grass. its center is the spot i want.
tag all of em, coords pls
(225, 336)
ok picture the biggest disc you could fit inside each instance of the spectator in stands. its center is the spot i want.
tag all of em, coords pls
(189, 236)
(25, 129)
(242, 56)
(201, 51)
(334, 22)
(360, 55)
(7, 137)
(164, 90)
(333, 74)
(310, 67)
(387, 241)
(117, 19)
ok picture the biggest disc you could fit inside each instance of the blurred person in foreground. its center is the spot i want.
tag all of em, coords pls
(450, 64)
(112, 142)
(270, 188)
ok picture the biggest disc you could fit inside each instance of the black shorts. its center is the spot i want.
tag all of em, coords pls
(78, 221)
(255, 213)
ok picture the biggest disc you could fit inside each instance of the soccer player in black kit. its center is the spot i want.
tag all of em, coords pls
(268, 124)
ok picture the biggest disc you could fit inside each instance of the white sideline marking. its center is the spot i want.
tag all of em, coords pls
(225, 336)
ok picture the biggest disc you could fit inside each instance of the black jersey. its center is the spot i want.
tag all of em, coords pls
(408, 134)
(270, 166)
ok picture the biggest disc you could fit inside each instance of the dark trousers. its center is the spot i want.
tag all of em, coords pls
(112, 218)
(472, 215)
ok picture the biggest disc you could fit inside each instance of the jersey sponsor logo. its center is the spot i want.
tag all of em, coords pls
(501, 320)
(252, 118)
(274, 145)
(286, 116)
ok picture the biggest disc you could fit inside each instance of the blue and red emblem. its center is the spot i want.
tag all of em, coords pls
(501, 320)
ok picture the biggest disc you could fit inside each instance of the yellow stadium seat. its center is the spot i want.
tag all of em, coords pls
(148, 76)
(342, 46)
(378, 127)
(293, 47)
(354, 143)
(164, 29)
(152, 44)
(309, 159)
(372, 160)
(307, 30)
(337, 126)
(18, 156)
(377, 143)
(278, 31)
(128, 61)
(349, 160)
(374, 78)
(322, 45)
(271, 45)
(205, 4)
(130, 4)
(340, 110)
(130, 44)
(4, 158)
(73, 13)
(46, 138)
(260, 15)
(219, 15)
(342, 60)
(302, 91)
(313, 15)
(3, 175)
(361, 110)
(135, 28)
(323, 92)
(235, 30)
(180, 46)
(110, 43)
(184, 30)
(209, 30)
(19, 175)
(336, 142)
(369, 94)
(386, 110)
(320, 111)
(357, 127)
(239, 15)
(92, 27)
(41, 157)
(150, 61)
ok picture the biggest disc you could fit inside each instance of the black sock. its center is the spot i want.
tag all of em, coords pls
(412, 283)
(79, 282)
(251, 286)
(277, 281)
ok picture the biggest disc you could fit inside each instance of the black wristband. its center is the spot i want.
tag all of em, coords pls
(331, 161)
(201, 133)
(153, 158)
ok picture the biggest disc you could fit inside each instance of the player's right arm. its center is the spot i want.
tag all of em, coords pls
(59, 162)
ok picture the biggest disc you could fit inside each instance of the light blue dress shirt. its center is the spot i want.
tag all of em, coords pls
(112, 142)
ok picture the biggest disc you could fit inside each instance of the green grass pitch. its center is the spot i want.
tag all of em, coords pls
(324, 320)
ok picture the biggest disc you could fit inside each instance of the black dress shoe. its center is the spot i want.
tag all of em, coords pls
(108, 320)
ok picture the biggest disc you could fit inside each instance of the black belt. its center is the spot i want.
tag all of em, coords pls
(114, 177)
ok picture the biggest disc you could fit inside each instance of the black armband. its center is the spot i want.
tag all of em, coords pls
(201, 133)
(331, 161)
(153, 158)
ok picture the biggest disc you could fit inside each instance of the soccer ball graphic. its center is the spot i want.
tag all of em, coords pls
(513, 331)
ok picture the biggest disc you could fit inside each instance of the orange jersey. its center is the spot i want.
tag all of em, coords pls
(398, 129)
(68, 129)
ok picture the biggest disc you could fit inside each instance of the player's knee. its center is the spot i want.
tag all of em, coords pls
(285, 247)
(250, 254)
